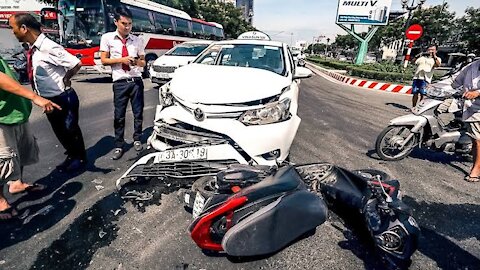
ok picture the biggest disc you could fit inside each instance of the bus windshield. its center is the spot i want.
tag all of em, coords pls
(82, 21)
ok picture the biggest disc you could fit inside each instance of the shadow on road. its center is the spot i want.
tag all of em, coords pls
(102, 79)
(457, 221)
(56, 179)
(428, 155)
(396, 105)
(98, 227)
(41, 216)
(357, 238)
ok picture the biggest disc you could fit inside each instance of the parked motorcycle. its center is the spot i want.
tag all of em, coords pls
(20, 66)
(435, 123)
(235, 210)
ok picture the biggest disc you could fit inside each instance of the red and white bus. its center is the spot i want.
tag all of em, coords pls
(83, 22)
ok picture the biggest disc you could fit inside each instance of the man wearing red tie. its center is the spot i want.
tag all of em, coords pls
(50, 70)
(125, 53)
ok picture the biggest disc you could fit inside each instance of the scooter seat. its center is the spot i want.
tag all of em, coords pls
(284, 180)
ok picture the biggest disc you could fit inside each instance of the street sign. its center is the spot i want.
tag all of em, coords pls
(414, 32)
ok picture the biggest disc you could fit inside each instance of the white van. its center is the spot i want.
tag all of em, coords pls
(162, 69)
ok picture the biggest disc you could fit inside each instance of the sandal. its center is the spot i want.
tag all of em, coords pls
(472, 179)
(8, 214)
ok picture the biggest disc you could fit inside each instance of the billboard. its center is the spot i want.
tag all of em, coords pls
(9, 7)
(363, 12)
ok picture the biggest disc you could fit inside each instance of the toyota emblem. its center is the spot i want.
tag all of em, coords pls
(199, 114)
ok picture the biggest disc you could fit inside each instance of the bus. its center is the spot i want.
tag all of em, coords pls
(82, 23)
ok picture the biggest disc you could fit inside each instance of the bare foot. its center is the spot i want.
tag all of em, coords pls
(4, 204)
(17, 186)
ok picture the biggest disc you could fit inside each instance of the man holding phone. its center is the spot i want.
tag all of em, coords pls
(426, 63)
(125, 53)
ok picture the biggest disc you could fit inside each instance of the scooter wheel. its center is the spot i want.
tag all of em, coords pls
(205, 185)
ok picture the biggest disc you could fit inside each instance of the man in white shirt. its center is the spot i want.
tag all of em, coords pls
(50, 68)
(125, 53)
(424, 73)
(469, 81)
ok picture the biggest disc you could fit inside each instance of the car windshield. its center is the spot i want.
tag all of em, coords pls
(245, 55)
(187, 50)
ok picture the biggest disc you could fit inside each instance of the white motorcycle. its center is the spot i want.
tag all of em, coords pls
(426, 126)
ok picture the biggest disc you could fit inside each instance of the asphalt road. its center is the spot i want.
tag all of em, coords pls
(83, 223)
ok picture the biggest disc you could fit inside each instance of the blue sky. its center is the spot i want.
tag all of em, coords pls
(308, 18)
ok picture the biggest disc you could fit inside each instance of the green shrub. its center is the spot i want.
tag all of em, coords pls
(330, 63)
(379, 71)
(379, 75)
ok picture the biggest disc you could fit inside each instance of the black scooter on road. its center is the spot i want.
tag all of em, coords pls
(249, 211)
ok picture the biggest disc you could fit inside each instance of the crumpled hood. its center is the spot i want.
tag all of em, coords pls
(173, 61)
(207, 84)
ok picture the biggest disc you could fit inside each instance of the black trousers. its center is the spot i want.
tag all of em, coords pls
(65, 124)
(123, 92)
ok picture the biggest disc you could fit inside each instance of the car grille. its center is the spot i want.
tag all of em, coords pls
(188, 134)
(164, 69)
(181, 133)
(180, 169)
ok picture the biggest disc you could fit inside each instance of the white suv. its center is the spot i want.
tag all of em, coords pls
(236, 103)
(163, 68)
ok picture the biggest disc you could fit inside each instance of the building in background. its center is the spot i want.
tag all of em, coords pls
(247, 8)
(302, 44)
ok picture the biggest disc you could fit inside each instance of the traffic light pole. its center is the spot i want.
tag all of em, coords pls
(363, 49)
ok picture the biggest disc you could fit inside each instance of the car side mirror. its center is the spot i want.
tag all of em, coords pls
(302, 73)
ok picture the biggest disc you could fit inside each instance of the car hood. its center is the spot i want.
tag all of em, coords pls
(173, 61)
(207, 84)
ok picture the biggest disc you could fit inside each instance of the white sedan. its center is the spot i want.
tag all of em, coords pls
(237, 103)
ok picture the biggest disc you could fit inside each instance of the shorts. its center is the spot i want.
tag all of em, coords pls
(18, 148)
(473, 130)
(419, 86)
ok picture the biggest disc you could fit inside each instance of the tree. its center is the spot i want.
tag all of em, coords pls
(470, 28)
(226, 14)
(438, 24)
(213, 11)
(345, 42)
(317, 48)
(387, 34)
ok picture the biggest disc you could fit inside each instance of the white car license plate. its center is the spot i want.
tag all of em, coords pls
(191, 153)
(164, 75)
(198, 205)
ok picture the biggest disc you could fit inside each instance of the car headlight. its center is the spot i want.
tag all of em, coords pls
(166, 98)
(271, 113)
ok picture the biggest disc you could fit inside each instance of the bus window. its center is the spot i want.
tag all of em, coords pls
(197, 30)
(209, 32)
(163, 24)
(218, 33)
(84, 22)
(143, 20)
(182, 28)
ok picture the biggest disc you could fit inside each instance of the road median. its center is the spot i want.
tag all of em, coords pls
(341, 77)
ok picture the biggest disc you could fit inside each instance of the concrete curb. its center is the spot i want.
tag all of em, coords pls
(372, 85)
